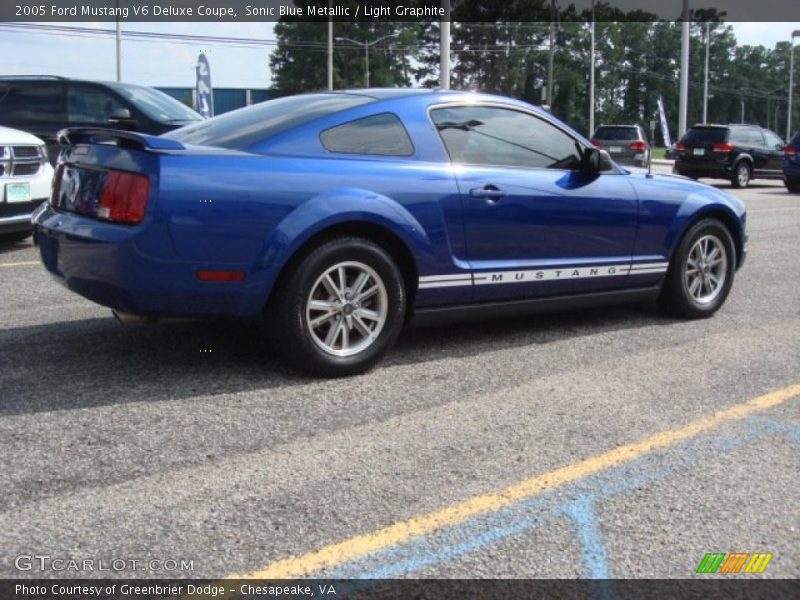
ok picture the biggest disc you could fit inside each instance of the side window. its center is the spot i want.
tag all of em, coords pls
(773, 141)
(754, 137)
(485, 135)
(89, 105)
(32, 103)
(382, 134)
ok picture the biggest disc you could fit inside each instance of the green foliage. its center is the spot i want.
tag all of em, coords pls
(504, 48)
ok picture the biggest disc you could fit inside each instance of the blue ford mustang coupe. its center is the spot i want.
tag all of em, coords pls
(340, 217)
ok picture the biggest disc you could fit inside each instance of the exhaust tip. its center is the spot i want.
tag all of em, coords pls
(127, 318)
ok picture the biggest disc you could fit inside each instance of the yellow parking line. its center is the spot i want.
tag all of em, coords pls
(28, 263)
(367, 543)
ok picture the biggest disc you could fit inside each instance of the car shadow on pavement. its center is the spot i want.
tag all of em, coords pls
(98, 362)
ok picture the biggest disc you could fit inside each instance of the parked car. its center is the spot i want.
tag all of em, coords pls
(791, 164)
(25, 177)
(627, 144)
(43, 105)
(737, 153)
(340, 217)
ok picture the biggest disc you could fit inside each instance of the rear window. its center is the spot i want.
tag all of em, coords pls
(706, 135)
(240, 129)
(34, 103)
(616, 133)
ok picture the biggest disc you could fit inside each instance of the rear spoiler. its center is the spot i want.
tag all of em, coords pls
(129, 139)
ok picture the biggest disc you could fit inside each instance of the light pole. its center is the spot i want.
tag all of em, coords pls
(591, 80)
(795, 33)
(683, 100)
(705, 79)
(119, 46)
(366, 46)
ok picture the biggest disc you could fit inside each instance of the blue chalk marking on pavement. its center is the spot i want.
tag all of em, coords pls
(480, 532)
(594, 551)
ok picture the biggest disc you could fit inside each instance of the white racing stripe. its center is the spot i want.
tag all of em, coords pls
(534, 275)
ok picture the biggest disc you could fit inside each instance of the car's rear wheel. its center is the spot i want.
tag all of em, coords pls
(340, 309)
(793, 185)
(16, 236)
(741, 175)
(701, 272)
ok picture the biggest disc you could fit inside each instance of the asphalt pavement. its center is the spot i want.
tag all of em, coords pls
(604, 443)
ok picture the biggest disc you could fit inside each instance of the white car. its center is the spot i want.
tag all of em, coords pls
(25, 177)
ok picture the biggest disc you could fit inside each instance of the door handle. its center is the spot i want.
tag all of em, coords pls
(490, 192)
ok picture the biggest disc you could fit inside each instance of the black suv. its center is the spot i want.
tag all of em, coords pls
(737, 153)
(627, 144)
(42, 105)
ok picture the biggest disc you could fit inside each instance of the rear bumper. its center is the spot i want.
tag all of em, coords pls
(132, 269)
(17, 217)
(719, 170)
(791, 170)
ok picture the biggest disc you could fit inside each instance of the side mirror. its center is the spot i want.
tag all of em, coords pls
(121, 116)
(595, 161)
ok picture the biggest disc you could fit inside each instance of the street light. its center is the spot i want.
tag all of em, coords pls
(367, 46)
(795, 33)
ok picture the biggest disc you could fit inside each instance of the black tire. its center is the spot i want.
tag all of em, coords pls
(287, 319)
(676, 297)
(16, 236)
(793, 185)
(742, 174)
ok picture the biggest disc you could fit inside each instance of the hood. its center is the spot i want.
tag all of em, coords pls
(11, 137)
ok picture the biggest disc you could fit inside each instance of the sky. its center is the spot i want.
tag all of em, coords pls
(172, 64)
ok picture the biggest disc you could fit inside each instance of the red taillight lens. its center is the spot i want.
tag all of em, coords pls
(596, 144)
(790, 150)
(680, 147)
(638, 145)
(124, 198)
(723, 148)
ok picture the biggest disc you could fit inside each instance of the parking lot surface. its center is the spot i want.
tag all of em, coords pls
(605, 443)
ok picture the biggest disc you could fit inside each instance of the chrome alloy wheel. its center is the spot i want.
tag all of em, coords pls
(706, 269)
(742, 174)
(346, 309)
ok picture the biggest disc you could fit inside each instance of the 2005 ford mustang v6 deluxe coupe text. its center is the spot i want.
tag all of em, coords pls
(339, 217)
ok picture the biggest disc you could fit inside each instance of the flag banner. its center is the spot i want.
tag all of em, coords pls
(205, 95)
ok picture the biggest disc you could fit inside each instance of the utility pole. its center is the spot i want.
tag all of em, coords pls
(119, 47)
(705, 79)
(684, 90)
(795, 33)
(552, 52)
(444, 47)
(330, 48)
(591, 79)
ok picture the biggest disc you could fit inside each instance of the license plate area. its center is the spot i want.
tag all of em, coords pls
(698, 152)
(615, 149)
(18, 192)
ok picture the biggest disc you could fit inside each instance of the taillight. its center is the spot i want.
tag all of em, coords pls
(638, 145)
(724, 148)
(680, 147)
(790, 150)
(596, 144)
(124, 197)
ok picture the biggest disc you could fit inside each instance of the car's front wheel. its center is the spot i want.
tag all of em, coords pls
(741, 175)
(701, 272)
(340, 310)
(793, 185)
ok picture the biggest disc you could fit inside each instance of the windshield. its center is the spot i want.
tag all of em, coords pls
(616, 133)
(156, 104)
(242, 128)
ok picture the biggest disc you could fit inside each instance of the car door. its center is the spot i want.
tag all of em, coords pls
(774, 166)
(757, 147)
(35, 106)
(534, 224)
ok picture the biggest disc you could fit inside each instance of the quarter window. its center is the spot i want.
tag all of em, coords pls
(381, 134)
(35, 103)
(485, 135)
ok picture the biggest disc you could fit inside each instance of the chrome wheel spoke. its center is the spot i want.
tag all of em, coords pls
(695, 285)
(337, 321)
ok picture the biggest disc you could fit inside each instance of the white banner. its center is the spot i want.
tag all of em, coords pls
(662, 116)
